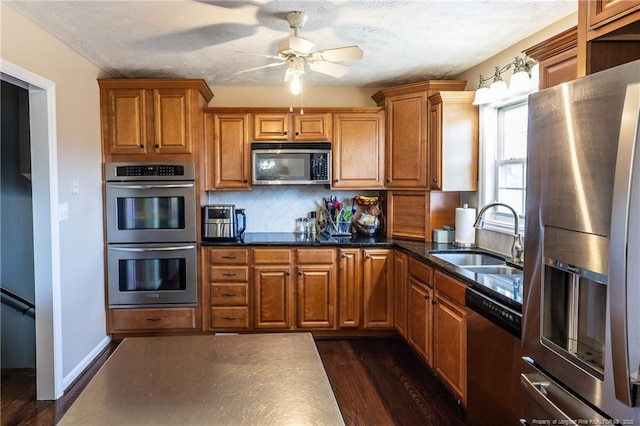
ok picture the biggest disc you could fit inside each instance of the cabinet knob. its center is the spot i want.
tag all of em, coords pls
(335, 180)
(433, 302)
(426, 297)
(344, 256)
(245, 181)
(388, 180)
(434, 180)
(297, 133)
(141, 146)
(367, 257)
(288, 273)
(157, 146)
(299, 273)
(284, 133)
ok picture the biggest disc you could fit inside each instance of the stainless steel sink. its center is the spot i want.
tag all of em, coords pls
(469, 259)
(492, 269)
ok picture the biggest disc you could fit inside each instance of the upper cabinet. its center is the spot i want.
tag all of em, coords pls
(557, 58)
(286, 127)
(151, 118)
(406, 131)
(227, 150)
(358, 150)
(608, 33)
(453, 141)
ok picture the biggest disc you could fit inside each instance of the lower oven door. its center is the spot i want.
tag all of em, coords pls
(152, 274)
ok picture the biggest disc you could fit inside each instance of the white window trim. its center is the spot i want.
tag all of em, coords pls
(487, 156)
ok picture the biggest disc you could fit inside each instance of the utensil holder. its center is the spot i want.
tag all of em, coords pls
(341, 228)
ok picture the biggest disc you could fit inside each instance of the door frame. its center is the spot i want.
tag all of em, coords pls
(46, 227)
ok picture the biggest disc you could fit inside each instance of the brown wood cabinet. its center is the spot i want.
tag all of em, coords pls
(284, 127)
(350, 287)
(152, 118)
(453, 141)
(400, 287)
(557, 58)
(406, 131)
(152, 320)
(415, 214)
(420, 307)
(378, 288)
(358, 150)
(450, 334)
(227, 150)
(226, 288)
(607, 34)
(287, 300)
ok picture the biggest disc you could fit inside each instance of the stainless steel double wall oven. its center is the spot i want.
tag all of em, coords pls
(151, 234)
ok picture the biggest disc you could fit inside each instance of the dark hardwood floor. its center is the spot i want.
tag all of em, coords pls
(375, 381)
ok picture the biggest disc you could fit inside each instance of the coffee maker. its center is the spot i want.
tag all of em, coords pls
(223, 222)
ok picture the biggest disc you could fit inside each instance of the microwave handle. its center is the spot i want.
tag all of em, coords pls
(151, 249)
(151, 186)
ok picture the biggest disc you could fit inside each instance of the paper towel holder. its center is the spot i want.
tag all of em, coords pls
(463, 245)
(467, 242)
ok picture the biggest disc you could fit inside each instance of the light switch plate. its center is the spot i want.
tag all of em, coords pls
(63, 212)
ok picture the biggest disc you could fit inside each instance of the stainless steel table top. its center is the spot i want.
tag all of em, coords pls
(252, 379)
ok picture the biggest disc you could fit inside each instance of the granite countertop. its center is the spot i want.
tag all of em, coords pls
(506, 289)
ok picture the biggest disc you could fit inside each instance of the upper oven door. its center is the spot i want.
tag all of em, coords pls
(148, 212)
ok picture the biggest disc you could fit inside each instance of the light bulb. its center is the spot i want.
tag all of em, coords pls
(295, 85)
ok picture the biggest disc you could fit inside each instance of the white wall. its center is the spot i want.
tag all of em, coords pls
(79, 156)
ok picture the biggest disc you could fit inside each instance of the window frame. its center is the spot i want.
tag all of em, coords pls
(489, 159)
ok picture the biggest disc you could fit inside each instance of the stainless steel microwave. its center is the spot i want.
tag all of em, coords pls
(291, 163)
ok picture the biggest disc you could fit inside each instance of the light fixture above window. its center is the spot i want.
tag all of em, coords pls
(521, 81)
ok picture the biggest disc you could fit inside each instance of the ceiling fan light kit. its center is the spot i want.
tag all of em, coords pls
(297, 51)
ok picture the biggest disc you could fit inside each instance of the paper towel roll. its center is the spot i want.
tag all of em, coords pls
(465, 232)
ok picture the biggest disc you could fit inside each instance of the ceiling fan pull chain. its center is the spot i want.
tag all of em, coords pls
(301, 91)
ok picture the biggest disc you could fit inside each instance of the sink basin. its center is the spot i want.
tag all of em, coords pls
(492, 269)
(469, 259)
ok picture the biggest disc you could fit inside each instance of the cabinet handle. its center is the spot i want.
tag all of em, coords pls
(228, 257)
(367, 257)
(153, 319)
(157, 146)
(141, 146)
(229, 318)
(336, 181)
(426, 297)
(297, 133)
(229, 294)
(344, 256)
(288, 273)
(388, 180)
(229, 274)
(433, 302)
(434, 180)
(245, 181)
(299, 273)
(284, 133)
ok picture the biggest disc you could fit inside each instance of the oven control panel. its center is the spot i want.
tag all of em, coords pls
(149, 171)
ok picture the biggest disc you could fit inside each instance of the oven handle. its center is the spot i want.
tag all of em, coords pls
(151, 186)
(143, 250)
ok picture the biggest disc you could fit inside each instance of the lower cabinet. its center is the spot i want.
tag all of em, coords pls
(450, 334)
(420, 308)
(294, 288)
(152, 319)
(400, 270)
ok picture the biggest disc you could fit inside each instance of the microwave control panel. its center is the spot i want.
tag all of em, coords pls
(319, 167)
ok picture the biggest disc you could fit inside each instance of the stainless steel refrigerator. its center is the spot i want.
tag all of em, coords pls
(581, 301)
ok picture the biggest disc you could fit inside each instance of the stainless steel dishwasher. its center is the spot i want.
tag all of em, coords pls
(494, 352)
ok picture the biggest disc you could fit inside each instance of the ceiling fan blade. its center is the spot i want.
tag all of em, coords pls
(339, 54)
(275, 64)
(334, 70)
(294, 45)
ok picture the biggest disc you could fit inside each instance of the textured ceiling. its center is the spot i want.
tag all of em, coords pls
(403, 41)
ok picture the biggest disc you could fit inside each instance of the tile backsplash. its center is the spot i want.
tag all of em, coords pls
(276, 208)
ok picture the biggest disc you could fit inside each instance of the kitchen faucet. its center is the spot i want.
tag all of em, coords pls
(517, 250)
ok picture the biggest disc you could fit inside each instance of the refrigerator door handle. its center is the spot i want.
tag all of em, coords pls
(624, 250)
(558, 404)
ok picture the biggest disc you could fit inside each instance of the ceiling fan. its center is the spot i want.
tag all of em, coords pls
(297, 51)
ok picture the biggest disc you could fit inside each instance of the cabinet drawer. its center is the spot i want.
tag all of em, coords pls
(229, 294)
(271, 256)
(315, 256)
(229, 273)
(421, 271)
(229, 256)
(230, 317)
(451, 287)
(152, 319)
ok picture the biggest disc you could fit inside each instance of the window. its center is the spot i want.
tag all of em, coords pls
(504, 162)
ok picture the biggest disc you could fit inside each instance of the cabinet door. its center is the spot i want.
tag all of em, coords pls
(378, 288)
(124, 121)
(172, 121)
(600, 12)
(229, 163)
(559, 69)
(450, 345)
(420, 323)
(311, 127)
(350, 287)
(400, 269)
(406, 165)
(271, 127)
(316, 296)
(358, 151)
(272, 298)
(435, 146)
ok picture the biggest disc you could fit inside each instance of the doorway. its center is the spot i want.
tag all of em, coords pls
(45, 227)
